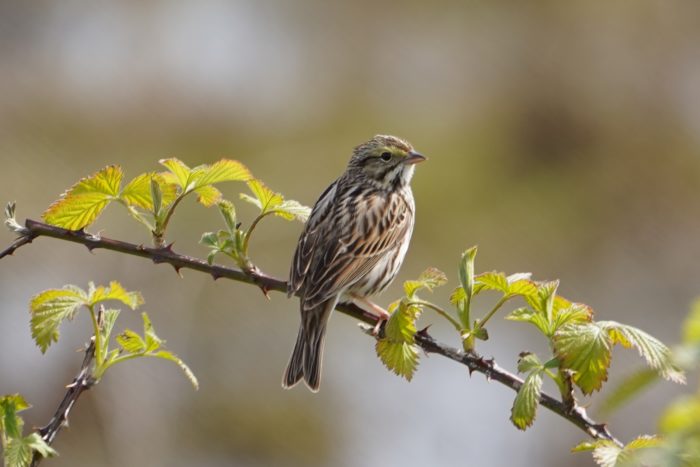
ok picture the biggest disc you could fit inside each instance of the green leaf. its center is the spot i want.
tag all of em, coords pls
(149, 191)
(608, 454)
(397, 350)
(150, 345)
(208, 196)
(179, 172)
(654, 352)
(466, 271)
(166, 355)
(399, 357)
(153, 342)
(115, 291)
(131, 342)
(528, 362)
(19, 451)
(493, 281)
(270, 202)
(585, 349)
(526, 402)
(629, 387)
(428, 280)
(50, 308)
(225, 170)
(520, 284)
(10, 423)
(526, 315)
(546, 291)
(228, 212)
(138, 191)
(566, 312)
(84, 202)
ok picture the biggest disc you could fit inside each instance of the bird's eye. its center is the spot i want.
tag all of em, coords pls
(386, 156)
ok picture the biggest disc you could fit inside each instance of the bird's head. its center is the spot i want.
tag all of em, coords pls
(386, 161)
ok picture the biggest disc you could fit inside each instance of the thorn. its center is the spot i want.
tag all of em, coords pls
(168, 247)
(424, 332)
(215, 275)
(71, 385)
(177, 269)
(265, 290)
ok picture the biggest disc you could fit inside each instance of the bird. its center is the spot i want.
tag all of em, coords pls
(352, 245)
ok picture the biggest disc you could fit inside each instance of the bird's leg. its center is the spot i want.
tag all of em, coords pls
(380, 313)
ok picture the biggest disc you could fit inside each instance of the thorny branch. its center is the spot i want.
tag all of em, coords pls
(82, 382)
(474, 362)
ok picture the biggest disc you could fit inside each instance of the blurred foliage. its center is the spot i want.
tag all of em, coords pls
(563, 139)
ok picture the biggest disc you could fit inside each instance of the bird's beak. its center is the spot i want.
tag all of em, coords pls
(414, 158)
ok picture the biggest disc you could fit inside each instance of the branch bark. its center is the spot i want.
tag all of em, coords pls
(474, 362)
(82, 382)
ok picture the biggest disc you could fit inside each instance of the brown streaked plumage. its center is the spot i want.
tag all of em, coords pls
(352, 245)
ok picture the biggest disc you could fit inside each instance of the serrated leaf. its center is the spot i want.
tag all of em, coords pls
(541, 300)
(149, 191)
(131, 342)
(573, 313)
(84, 202)
(654, 352)
(457, 296)
(526, 315)
(520, 284)
(629, 387)
(10, 423)
(293, 210)
(528, 362)
(399, 357)
(49, 308)
(37, 444)
(164, 354)
(180, 172)
(605, 453)
(401, 325)
(153, 342)
(208, 195)
(264, 198)
(224, 170)
(138, 191)
(585, 349)
(115, 291)
(428, 280)
(493, 281)
(608, 454)
(19, 451)
(526, 402)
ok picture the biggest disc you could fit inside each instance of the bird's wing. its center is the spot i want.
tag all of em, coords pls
(307, 241)
(354, 242)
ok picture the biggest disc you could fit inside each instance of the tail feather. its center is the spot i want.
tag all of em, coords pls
(307, 356)
(295, 368)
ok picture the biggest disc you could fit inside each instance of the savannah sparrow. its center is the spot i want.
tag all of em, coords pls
(352, 245)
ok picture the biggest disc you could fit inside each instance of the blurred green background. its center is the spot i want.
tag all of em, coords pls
(564, 139)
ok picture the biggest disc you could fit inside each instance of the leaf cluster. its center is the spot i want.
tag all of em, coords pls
(581, 347)
(18, 450)
(51, 307)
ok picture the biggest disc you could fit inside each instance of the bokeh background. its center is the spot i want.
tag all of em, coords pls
(564, 139)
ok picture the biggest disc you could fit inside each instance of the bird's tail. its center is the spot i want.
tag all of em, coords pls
(307, 356)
